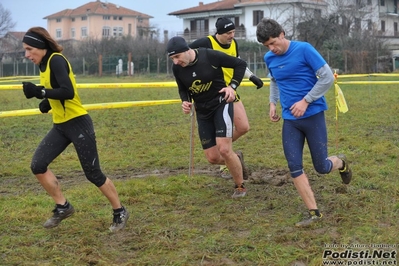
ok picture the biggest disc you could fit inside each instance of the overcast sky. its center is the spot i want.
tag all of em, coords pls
(28, 14)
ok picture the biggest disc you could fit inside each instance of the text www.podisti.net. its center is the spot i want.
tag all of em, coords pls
(362, 257)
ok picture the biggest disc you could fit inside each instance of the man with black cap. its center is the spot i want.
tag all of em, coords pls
(224, 41)
(200, 77)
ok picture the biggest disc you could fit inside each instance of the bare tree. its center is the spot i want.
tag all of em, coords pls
(6, 23)
(347, 37)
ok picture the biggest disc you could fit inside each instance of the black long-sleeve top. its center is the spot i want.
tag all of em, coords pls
(59, 77)
(203, 78)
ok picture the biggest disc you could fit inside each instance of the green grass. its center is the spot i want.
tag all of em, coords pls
(177, 220)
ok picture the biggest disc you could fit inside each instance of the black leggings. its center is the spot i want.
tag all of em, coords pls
(80, 132)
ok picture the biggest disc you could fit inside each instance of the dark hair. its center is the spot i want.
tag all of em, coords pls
(48, 39)
(268, 28)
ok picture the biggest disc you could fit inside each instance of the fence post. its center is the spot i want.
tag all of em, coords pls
(129, 65)
(100, 65)
(84, 66)
(167, 64)
(255, 64)
(148, 67)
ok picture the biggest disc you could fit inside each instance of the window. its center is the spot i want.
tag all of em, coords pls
(382, 2)
(369, 2)
(344, 21)
(73, 19)
(360, 4)
(58, 20)
(115, 18)
(106, 17)
(106, 31)
(395, 29)
(58, 34)
(358, 24)
(84, 32)
(317, 13)
(120, 18)
(84, 18)
(383, 25)
(199, 27)
(257, 17)
(73, 33)
(369, 24)
(117, 31)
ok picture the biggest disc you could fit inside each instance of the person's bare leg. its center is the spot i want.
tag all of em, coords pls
(223, 154)
(213, 156)
(337, 162)
(241, 127)
(109, 191)
(121, 215)
(231, 159)
(241, 124)
(305, 191)
(50, 183)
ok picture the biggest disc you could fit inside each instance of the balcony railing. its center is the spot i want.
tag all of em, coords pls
(389, 11)
(190, 36)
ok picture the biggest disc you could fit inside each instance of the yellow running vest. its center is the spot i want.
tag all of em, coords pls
(232, 51)
(63, 110)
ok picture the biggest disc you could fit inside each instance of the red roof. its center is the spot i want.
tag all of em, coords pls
(232, 4)
(12, 42)
(17, 35)
(99, 8)
(220, 5)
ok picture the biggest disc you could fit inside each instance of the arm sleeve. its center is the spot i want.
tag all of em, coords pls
(323, 84)
(201, 42)
(221, 59)
(183, 91)
(60, 81)
(184, 94)
(248, 73)
(274, 93)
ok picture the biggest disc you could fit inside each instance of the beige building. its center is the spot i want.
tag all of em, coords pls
(98, 20)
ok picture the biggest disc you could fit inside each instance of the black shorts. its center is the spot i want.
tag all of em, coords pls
(220, 124)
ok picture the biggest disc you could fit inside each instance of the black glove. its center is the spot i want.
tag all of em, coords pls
(44, 106)
(257, 81)
(31, 90)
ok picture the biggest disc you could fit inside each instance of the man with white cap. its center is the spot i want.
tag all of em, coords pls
(199, 76)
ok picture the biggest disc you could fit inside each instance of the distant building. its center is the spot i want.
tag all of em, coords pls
(379, 17)
(11, 46)
(98, 20)
(200, 20)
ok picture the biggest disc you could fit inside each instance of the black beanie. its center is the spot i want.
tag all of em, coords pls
(176, 45)
(224, 25)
